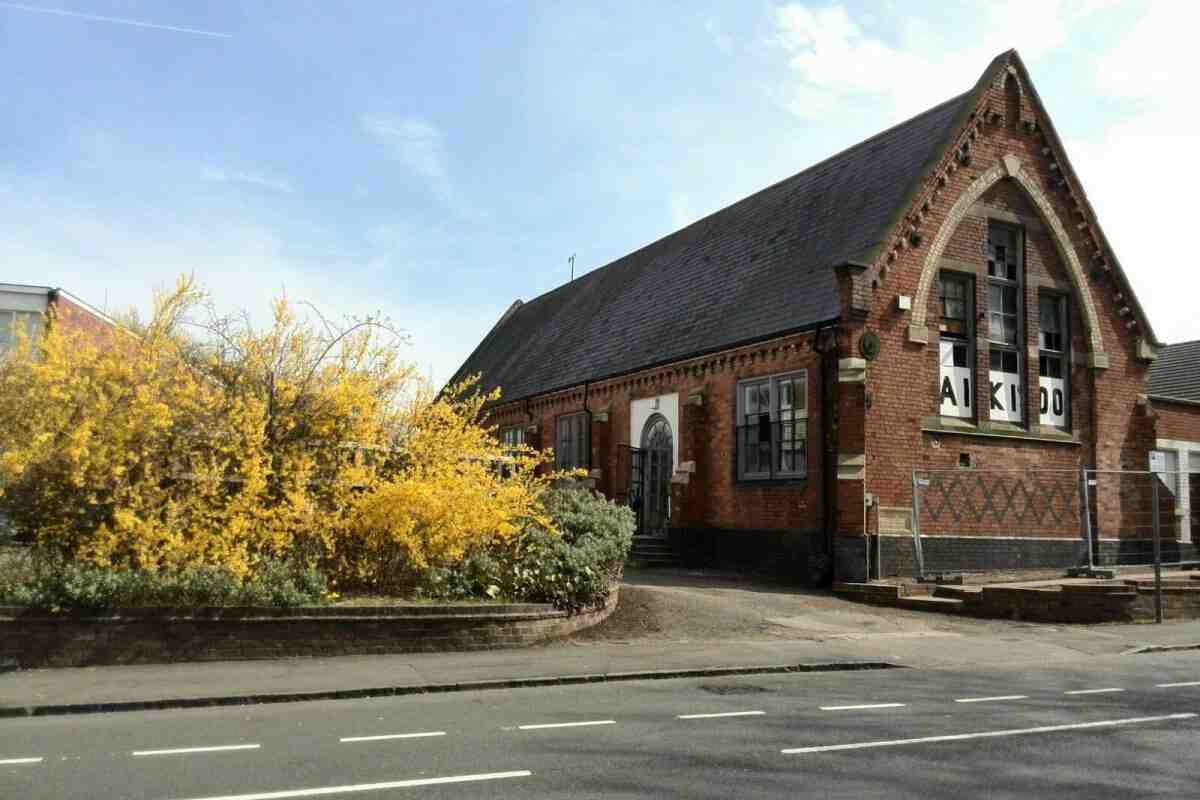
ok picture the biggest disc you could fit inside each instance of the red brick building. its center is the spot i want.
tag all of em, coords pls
(764, 383)
(1174, 394)
(28, 307)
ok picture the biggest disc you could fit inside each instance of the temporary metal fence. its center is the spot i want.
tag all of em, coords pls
(1087, 520)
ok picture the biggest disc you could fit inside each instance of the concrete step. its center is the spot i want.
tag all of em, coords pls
(930, 603)
(650, 563)
(956, 592)
(650, 551)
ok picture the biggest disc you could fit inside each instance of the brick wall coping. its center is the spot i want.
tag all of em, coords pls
(426, 611)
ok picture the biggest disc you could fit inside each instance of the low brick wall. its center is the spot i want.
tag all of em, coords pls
(1128, 601)
(155, 636)
(1071, 604)
(1099, 601)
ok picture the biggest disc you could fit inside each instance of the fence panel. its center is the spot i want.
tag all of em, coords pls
(1129, 508)
(968, 520)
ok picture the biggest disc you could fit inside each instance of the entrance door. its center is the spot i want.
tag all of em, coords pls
(657, 468)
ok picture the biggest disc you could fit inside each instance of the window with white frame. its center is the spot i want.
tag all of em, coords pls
(32, 322)
(957, 365)
(1053, 366)
(772, 427)
(572, 441)
(513, 437)
(1005, 249)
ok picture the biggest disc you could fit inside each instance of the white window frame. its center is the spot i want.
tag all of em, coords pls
(34, 321)
(514, 436)
(1186, 457)
(777, 419)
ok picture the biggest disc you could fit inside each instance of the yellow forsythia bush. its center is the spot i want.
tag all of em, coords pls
(196, 439)
(448, 498)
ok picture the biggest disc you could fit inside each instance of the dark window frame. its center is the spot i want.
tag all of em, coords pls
(1061, 356)
(1010, 262)
(964, 341)
(778, 437)
(578, 451)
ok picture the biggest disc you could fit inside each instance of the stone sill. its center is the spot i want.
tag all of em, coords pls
(990, 431)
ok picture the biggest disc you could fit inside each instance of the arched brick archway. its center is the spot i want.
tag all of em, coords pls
(1008, 167)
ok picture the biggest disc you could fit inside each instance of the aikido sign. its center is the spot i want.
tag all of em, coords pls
(957, 391)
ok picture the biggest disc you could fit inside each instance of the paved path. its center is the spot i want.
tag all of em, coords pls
(669, 620)
(1110, 726)
(680, 604)
(1016, 645)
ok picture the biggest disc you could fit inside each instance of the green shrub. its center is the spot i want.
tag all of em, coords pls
(55, 585)
(573, 569)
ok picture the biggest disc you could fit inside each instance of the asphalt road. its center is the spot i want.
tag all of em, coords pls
(1111, 727)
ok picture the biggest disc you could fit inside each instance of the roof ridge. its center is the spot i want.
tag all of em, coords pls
(809, 169)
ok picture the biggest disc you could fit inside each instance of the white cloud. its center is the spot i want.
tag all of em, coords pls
(722, 40)
(837, 64)
(1139, 173)
(413, 141)
(418, 145)
(256, 179)
(1136, 163)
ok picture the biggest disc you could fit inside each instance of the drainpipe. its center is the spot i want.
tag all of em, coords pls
(588, 412)
(829, 419)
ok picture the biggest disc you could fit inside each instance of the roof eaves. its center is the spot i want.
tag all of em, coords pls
(1167, 399)
(813, 326)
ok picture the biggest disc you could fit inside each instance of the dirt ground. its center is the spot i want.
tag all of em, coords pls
(678, 604)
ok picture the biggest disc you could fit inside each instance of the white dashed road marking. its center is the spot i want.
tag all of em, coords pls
(863, 707)
(1095, 691)
(992, 699)
(546, 725)
(385, 736)
(1177, 685)
(183, 750)
(5, 761)
(958, 737)
(722, 714)
(371, 787)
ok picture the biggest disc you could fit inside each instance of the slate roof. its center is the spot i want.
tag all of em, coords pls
(1175, 374)
(761, 268)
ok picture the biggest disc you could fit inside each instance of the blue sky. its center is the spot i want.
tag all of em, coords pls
(435, 161)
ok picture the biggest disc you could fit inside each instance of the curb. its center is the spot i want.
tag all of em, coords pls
(1160, 648)
(433, 688)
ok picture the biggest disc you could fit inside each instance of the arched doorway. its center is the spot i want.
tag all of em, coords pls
(657, 468)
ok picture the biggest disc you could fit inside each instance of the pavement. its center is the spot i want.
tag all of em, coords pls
(668, 625)
(1107, 726)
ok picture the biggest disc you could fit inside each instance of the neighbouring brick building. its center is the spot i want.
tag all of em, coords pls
(763, 383)
(29, 307)
(1174, 393)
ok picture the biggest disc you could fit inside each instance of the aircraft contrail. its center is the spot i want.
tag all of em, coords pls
(114, 20)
